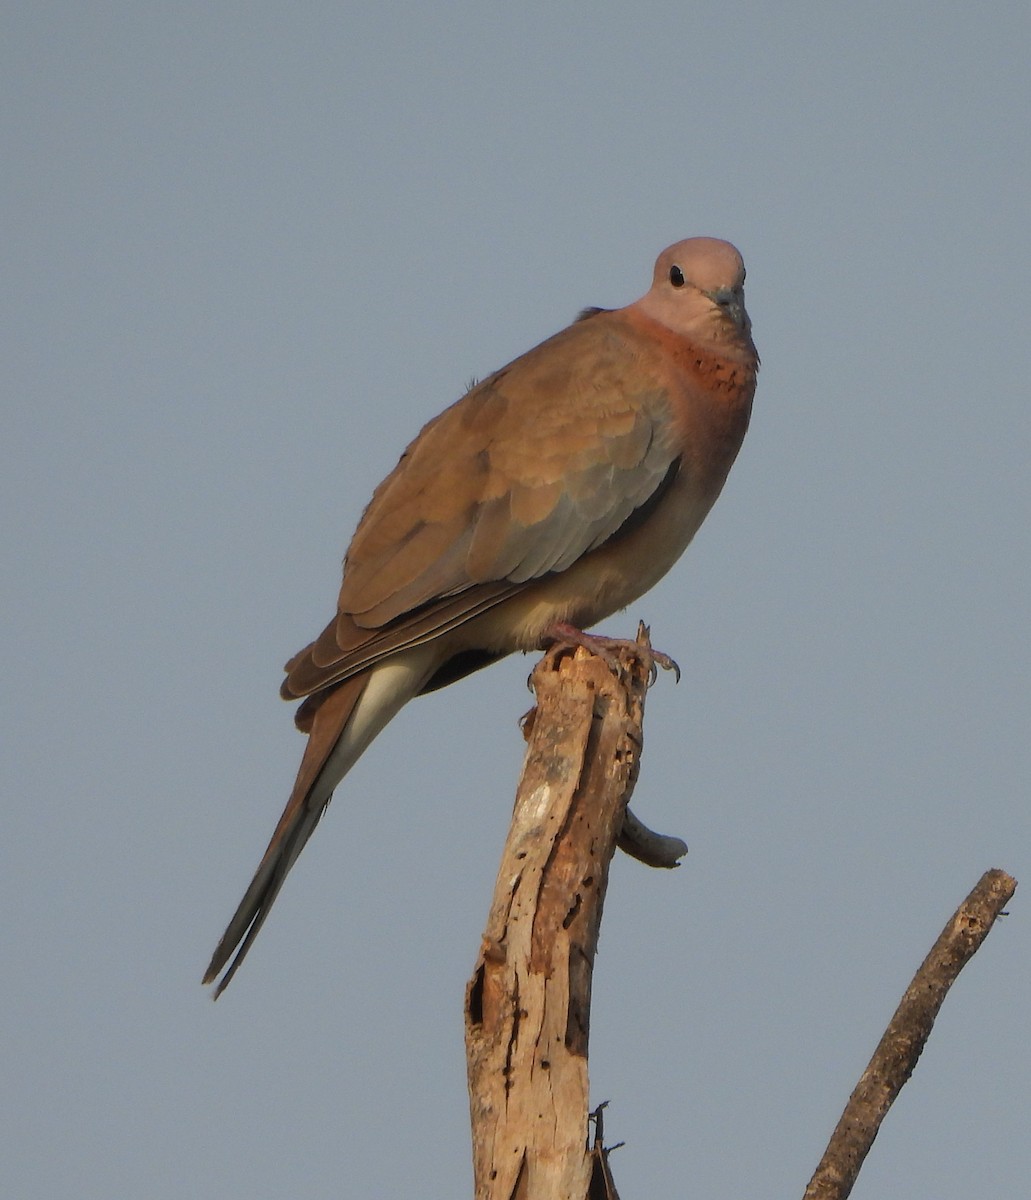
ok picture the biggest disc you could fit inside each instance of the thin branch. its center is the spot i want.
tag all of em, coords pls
(900, 1047)
(602, 1185)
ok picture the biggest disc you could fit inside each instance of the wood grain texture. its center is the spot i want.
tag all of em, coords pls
(528, 1002)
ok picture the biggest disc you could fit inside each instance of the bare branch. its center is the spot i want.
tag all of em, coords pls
(528, 1003)
(900, 1047)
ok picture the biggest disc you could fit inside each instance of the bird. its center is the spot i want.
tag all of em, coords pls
(552, 494)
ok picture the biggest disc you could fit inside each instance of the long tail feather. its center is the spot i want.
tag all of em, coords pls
(341, 728)
(307, 803)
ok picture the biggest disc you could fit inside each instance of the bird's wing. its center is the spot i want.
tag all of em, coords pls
(533, 468)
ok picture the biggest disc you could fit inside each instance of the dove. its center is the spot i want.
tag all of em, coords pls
(551, 495)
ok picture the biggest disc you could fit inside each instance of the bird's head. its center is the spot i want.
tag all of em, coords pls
(698, 291)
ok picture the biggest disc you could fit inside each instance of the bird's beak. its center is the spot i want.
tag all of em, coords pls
(732, 302)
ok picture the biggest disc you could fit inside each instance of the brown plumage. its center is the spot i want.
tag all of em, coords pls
(556, 491)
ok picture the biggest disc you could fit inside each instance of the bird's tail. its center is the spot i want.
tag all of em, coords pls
(344, 724)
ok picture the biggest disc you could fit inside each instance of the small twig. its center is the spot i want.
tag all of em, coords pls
(602, 1186)
(900, 1047)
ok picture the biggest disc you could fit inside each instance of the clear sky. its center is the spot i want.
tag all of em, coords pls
(248, 250)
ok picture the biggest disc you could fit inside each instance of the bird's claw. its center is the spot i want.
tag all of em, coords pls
(562, 636)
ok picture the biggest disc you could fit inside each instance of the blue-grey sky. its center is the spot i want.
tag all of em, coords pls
(248, 250)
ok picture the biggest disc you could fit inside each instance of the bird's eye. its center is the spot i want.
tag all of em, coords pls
(676, 276)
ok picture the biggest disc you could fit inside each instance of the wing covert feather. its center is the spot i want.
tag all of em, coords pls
(534, 467)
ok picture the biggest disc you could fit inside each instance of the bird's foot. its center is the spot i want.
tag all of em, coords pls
(561, 636)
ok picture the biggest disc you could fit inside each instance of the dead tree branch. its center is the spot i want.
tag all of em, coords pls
(900, 1047)
(527, 1012)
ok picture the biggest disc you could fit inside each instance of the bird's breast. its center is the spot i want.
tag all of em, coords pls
(704, 414)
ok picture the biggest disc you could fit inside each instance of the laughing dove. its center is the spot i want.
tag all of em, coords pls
(550, 495)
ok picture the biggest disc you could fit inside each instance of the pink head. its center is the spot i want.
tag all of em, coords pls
(698, 291)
